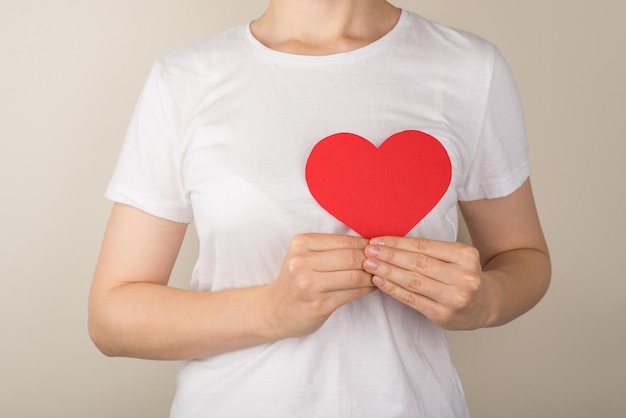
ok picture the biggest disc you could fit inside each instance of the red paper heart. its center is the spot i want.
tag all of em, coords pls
(379, 191)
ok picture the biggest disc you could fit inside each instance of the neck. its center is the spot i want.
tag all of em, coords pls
(322, 27)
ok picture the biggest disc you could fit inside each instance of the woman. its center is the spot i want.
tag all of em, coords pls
(289, 311)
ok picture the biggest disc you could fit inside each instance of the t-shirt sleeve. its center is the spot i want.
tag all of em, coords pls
(500, 164)
(148, 175)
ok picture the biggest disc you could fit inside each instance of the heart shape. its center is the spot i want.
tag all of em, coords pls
(379, 191)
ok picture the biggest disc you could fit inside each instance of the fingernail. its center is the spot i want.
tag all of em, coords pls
(378, 281)
(371, 265)
(372, 251)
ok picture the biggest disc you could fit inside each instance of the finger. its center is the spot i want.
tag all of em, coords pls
(417, 301)
(405, 267)
(410, 280)
(335, 260)
(341, 297)
(326, 242)
(451, 252)
(333, 282)
(346, 280)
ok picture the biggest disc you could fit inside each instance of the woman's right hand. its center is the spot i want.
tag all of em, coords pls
(319, 274)
(134, 313)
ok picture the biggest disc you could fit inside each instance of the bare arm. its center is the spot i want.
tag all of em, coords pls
(513, 250)
(133, 313)
(461, 287)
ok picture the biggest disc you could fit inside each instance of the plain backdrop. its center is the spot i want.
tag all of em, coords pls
(70, 74)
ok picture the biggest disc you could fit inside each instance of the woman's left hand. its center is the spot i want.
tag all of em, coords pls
(442, 280)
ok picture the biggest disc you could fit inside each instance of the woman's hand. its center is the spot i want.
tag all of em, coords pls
(461, 287)
(319, 274)
(442, 280)
(133, 313)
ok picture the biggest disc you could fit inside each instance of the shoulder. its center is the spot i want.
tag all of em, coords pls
(211, 52)
(451, 45)
(190, 72)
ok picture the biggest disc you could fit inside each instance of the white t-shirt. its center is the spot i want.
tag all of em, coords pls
(221, 136)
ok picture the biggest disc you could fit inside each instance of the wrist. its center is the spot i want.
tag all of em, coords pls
(493, 299)
(269, 325)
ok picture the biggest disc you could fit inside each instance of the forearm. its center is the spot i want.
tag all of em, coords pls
(153, 321)
(516, 281)
(133, 313)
